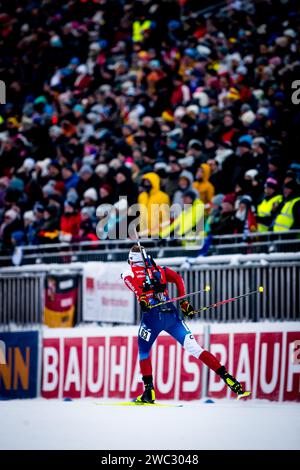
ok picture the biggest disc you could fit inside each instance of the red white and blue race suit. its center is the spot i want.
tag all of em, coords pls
(163, 317)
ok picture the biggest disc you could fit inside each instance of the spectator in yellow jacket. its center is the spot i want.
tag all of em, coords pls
(154, 205)
(202, 184)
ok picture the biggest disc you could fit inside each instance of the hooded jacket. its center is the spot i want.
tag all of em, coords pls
(148, 201)
(205, 188)
(177, 199)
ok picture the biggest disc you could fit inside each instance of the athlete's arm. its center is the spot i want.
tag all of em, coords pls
(130, 282)
(175, 278)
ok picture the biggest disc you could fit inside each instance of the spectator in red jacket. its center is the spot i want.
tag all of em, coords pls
(70, 220)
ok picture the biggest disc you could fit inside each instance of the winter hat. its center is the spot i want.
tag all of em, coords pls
(121, 204)
(259, 141)
(187, 161)
(242, 70)
(247, 200)
(95, 46)
(160, 166)
(44, 165)
(101, 168)
(179, 112)
(88, 160)
(70, 203)
(248, 118)
(135, 257)
(251, 174)
(263, 111)
(115, 163)
(271, 183)
(90, 211)
(75, 61)
(282, 41)
(202, 97)
(290, 33)
(189, 193)
(275, 61)
(90, 193)
(217, 199)
(18, 236)
(233, 94)
(107, 188)
(154, 63)
(72, 195)
(176, 134)
(229, 198)
(193, 109)
(195, 144)
(79, 108)
(49, 189)
(279, 96)
(85, 169)
(82, 69)
(244, 144)
(167, 116)
(17, 184)
(38, 207)
(222, 154)
(28, 165)
(187, 175)
(258, 94)
(29, 215)
(245, 107)
(11, 214)
(246, 138)
(203, 51)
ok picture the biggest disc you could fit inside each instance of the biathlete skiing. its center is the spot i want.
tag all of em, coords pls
(149, 281)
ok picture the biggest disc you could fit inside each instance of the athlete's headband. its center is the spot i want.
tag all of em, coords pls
(135, 256)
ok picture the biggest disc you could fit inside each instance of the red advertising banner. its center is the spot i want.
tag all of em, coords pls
(95, 371)
(190, 377)
(51, 367)
(104, 363)
(270, 354)
(292, 367)
(219, 346)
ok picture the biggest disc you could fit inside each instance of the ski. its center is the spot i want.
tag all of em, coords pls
(136, 403)
(243, 395)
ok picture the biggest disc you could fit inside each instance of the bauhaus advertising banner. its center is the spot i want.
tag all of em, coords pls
(103, 363)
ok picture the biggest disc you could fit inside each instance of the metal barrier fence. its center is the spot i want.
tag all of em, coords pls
(280, 300)
(117, 250)
(21, 298)
(21, 292)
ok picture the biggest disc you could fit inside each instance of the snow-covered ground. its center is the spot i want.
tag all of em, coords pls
(81, 424)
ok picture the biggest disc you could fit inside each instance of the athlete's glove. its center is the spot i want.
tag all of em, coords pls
(186, 308)
(144, 303)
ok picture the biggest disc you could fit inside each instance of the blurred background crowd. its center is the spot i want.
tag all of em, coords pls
(149, 100)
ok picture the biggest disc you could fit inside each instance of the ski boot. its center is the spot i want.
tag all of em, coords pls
(149, 394)
(232, 383)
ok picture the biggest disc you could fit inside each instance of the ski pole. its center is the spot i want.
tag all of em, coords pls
(232, 299)
(206, 289)
(144, 256)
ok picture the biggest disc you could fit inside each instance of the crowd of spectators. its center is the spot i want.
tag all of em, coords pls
(150, 100)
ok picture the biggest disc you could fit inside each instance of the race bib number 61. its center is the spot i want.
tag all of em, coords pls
(144, 334)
